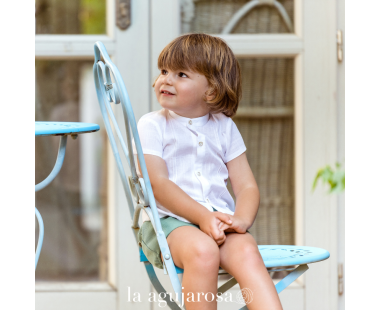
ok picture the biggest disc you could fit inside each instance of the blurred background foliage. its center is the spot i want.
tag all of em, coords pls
(70, 17)
(92, 16)
(334, 178)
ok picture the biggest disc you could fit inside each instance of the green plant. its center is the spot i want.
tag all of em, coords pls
(335, 179)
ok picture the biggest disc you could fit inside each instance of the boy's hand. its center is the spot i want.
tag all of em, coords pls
(238, 225)
(210, 225)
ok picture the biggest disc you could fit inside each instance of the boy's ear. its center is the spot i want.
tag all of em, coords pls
(155, 81)
(210, 94)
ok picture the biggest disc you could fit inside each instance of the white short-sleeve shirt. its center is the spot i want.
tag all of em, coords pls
(196, 152)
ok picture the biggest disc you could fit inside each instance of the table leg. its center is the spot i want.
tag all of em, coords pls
(40, 236)
(57, 166)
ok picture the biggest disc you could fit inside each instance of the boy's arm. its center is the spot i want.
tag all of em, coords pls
(245, 189)
(177, 201)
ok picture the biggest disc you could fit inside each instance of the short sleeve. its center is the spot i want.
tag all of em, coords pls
(150, 135)
(234, 142)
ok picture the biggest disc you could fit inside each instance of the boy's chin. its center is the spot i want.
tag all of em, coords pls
(167, 106)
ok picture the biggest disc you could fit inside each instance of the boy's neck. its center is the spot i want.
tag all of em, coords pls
(192, 114)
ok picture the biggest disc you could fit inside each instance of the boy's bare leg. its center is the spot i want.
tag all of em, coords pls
(240, 257)
(198, 254)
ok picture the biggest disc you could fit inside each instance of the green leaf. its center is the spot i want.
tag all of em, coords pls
(335, 179)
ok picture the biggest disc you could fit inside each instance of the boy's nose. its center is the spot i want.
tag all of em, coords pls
(168, 79)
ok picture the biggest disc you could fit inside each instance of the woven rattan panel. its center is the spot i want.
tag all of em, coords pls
(210, 16)
(269, 83)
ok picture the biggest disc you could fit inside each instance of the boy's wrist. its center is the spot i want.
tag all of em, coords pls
(199, 215)
(246, 223)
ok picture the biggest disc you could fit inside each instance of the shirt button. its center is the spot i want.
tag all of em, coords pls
(200, 143)
(198, 173)
(207, 200)
(190, 122)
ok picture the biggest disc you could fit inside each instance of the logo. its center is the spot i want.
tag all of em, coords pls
(245, 296)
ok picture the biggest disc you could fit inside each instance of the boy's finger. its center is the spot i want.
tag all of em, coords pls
(224, 226)
(217, 233)
(224, 217)
(220, 239)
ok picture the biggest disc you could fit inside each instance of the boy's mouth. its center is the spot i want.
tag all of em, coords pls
(165, 92)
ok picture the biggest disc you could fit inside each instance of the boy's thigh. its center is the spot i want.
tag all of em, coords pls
(185, 241)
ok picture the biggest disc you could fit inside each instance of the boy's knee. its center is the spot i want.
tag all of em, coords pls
(248, 253)
(205, 254)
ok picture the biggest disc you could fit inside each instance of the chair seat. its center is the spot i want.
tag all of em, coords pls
(280, 255)
(289, 255)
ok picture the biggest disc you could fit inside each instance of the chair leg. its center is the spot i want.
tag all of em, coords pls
(158, 287)
(226, 286)
(290, 278)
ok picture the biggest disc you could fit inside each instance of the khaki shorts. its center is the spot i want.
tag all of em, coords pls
(148, 239)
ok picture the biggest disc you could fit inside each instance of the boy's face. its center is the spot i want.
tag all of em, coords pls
(182, 92)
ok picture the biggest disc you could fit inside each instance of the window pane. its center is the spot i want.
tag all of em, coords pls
(211, 16)
(265, 120)
(73, 206)
(70, 17)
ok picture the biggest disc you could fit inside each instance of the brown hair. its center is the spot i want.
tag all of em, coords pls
(211, 57)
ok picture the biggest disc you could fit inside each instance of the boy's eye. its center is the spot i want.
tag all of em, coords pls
(164, 72)
(181, 74)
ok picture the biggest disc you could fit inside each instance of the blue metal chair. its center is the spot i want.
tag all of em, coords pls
(110, 88)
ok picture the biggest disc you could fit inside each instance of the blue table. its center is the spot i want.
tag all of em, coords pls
(62, 129)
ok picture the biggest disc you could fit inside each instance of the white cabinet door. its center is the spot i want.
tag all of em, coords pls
(262, 39)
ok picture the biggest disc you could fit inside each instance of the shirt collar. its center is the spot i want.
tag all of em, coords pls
(197, 122)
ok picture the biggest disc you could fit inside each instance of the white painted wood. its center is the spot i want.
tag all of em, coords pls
(73, 46)
(341, 147)
(42, 286)
(94, 300)
(264, 44)
(299, 152)
(298, 18)
(320, 148)
(165, 26)
(110, 18)
(131, 56)
(298, 139)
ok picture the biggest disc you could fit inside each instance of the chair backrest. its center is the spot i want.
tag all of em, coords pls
(110, 88)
